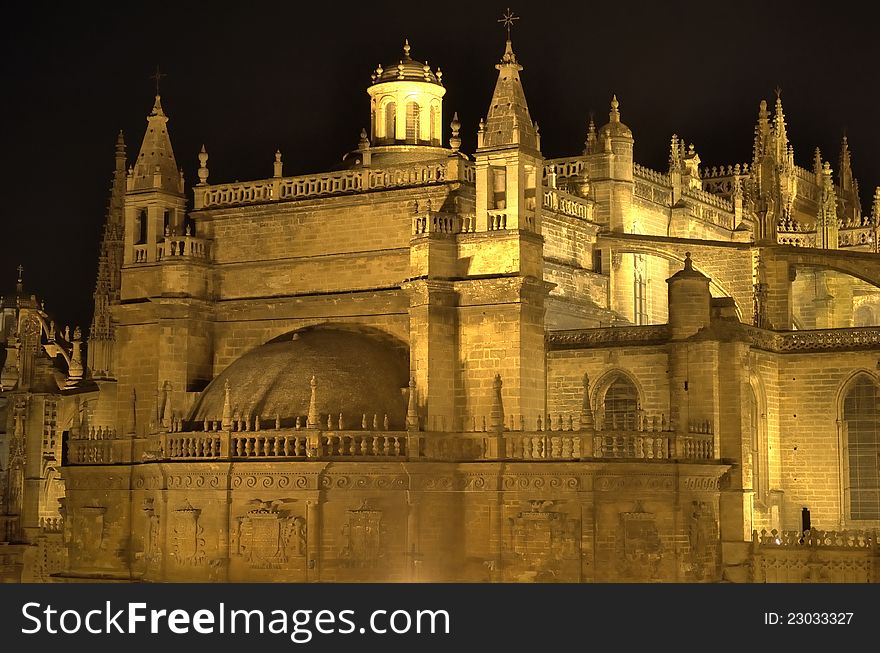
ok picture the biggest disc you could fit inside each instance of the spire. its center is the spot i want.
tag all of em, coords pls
(19, 284)
(155, 166)
(817, 164)
(590, 143)
(845, 178)
(780, 136)
(826, 222)
(109, 277)
(509, 122)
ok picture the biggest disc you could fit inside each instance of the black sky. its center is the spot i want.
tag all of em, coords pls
(246, 78)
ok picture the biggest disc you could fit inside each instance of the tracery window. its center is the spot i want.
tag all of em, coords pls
(621, 404)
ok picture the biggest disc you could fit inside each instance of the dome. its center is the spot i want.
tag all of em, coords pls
(616, 128)
(407, 69)
(356, 372)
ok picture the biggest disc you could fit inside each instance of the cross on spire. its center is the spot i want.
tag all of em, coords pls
(20, 269)
(507, 19)
(157, 76)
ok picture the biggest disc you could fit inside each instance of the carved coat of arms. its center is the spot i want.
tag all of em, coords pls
(268, 535)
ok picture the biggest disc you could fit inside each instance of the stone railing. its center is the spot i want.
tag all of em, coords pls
(51, 524)
(716, 172)
(280, 444)
(654, 445)
(608, 336)
(563, 167)
(641, 172)
(436, 222)
(567, 204)
(334, 183)
(181, 246)
(815, 556)
(141, 253)
(715, 201)
(813, 339)
(653, 192)
(99, 452)
(849, 539)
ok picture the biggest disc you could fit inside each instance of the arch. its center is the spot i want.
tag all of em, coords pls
(759, 444)
(390, 122)
(716, 289)
(435, 122)
(413, 121)
(627, 401)
(858, 410)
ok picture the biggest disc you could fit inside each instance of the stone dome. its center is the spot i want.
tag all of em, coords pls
(616, 128)
(406, 69)
(356, 372)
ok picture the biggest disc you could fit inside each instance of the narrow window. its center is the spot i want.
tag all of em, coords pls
(412, 122)
(861, 416)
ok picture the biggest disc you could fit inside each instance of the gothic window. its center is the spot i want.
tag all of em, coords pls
(621, 404)
(640, 302)
(861, 415)
(412, 122)
(391, 120)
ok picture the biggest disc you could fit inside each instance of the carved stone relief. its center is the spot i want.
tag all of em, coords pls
(269, 534)
(187, 543)
(540, 543)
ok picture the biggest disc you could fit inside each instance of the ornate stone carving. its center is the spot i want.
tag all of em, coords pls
(268, 535)
(542, 543)
(642, 551)
(187, 543)
(362, 537)
(702, 535)
(88, 537)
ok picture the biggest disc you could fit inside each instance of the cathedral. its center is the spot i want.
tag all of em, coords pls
(429, 365)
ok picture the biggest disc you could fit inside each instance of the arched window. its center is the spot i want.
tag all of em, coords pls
(621, 404)
(391, 121)
(861, 416)
(412, 122)
(140, 227)
(435, 125)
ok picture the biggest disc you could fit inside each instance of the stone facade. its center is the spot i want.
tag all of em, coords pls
(436, 366)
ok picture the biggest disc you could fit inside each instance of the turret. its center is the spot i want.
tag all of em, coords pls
(689, 301)
(406, 111)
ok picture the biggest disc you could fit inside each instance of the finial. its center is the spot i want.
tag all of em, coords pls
(277, 166)
(364, 142)
(19, 285)
(688, 263)
(120, 144)
(203, 168)
(406, 48)
(614, 116)
(778, 91)
(439, 75)
(455, 126)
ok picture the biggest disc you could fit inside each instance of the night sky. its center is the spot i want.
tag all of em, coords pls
(247, 78)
